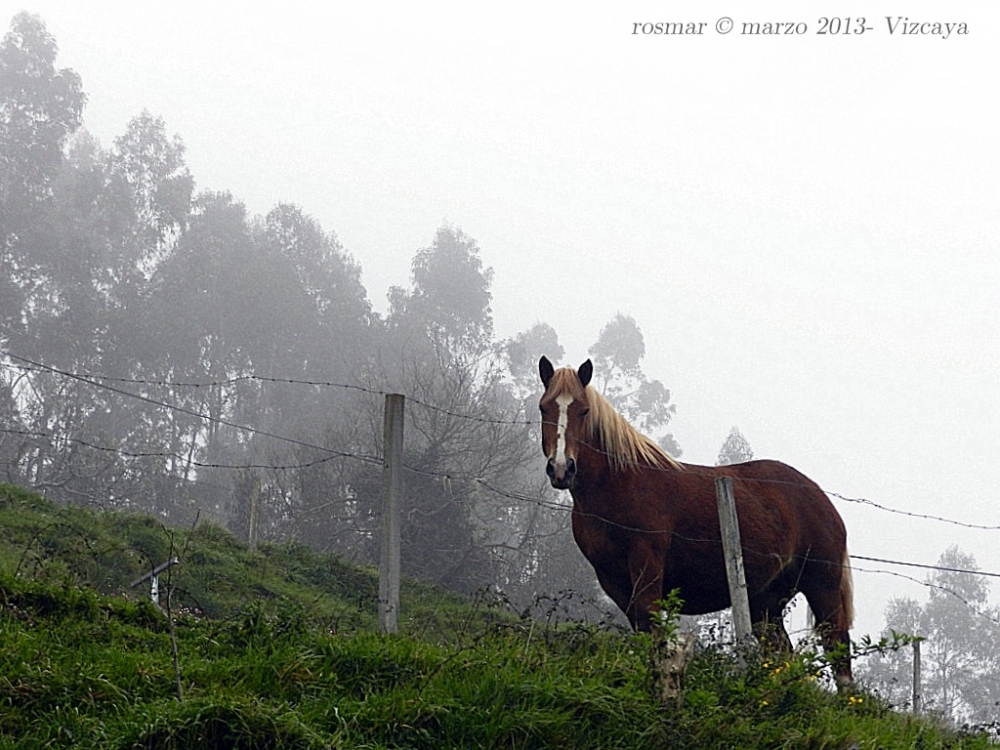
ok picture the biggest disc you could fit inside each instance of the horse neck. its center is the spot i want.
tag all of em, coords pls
(599, 474)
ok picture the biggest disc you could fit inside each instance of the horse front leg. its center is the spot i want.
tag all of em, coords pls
(646, 573)
(616, 584)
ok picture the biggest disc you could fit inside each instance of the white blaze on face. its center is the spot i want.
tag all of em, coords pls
(563, 401)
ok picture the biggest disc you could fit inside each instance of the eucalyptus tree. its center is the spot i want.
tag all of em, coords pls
(523, 351)
(156, 180)
(735, 449)
(467, 441)
(70, 325)
(959, 652)
(448, 302)
(618, 354)
(41, 106)
(265, 313)
(198, 314)
(71, 293)
(317, 330)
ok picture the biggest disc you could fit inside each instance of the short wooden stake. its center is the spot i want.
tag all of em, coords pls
(153, 577)
(671, 657)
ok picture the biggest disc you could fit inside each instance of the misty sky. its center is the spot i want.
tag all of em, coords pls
(804, 227)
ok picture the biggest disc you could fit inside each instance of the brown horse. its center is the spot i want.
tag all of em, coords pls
(649, 524)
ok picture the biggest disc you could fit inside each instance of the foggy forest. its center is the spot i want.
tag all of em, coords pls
(164, 351)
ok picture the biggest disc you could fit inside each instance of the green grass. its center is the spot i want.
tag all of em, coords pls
(218, 577)
(290, 659)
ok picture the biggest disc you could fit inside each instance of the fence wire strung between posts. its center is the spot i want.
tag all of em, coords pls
(98, 381)
(102, 382)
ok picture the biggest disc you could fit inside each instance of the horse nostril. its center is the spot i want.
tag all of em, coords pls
(561, 473)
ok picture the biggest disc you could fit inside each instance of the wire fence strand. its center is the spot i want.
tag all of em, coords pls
(104, 382)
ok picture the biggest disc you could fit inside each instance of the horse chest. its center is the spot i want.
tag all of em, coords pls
(609, 534)
(599, 537)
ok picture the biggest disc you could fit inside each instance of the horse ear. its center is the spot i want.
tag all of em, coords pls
(546, 370)
(585, 373)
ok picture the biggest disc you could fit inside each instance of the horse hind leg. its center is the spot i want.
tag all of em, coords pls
(832, 606)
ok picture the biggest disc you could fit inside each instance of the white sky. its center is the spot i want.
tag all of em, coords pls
(804, 227)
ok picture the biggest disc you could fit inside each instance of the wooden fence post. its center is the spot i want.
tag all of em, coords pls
(733, 551)
(392, 495)
(918, 697)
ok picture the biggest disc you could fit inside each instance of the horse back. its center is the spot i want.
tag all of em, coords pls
(780, 507)
(785, 519)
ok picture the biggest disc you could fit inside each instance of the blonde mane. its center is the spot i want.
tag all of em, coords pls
(624, 445)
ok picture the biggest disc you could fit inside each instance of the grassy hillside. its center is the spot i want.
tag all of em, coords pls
(286, 657)
(218, 578)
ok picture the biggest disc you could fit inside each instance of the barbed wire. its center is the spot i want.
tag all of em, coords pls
(553, 505)
(96, 379)
(185, 460)
(450, 478)
(90, 378)
(926, 516)
(932, 585)
(567, 508)
(445, 477)
(181, 409)
(710, 472)
(941, 568)
(925, 583)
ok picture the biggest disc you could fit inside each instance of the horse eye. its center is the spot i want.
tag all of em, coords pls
(584, 412)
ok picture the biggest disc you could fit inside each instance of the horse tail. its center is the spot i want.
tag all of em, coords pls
(847, 592)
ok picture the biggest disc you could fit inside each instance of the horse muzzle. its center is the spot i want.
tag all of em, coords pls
(561, 474)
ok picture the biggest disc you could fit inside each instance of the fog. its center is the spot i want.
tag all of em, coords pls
(804, 227)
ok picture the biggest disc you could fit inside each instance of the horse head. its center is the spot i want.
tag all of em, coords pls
(565, 409)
